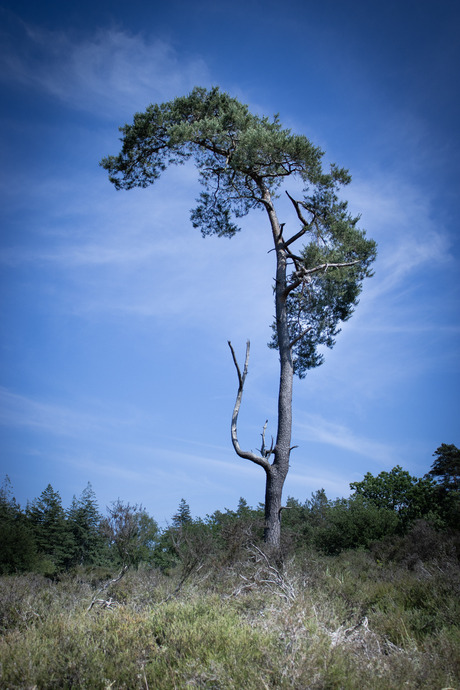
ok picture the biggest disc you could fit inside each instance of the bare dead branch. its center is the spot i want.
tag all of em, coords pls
(185, 575)
(235, 362)
(303, 274)
(264, 451)
(248, 455)
(306, 225)
(271, 576)
(116, 579)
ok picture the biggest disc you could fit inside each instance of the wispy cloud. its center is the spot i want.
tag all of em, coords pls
(315, 428)
(27, 412)
(399, 215)
(300, 484)
(49, 417)
(104, 73)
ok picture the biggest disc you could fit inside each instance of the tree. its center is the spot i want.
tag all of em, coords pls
(52, 533)
(446, 466)
(352, 523)
(131, 533)
(409, 497)
(84, 521)
(243, 160)
(183, 515)
(18, 552)
(446, 471)
(317, 507)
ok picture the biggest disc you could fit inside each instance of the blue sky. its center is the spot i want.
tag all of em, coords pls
(115, 313)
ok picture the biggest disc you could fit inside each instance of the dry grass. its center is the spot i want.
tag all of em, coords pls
(313, 623)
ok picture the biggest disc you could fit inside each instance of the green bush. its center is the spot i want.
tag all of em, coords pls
(353, 523)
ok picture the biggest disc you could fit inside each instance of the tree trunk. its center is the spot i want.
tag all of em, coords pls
(273, 492)
(277, 472)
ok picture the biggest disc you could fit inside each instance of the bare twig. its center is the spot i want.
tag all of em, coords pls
(109, 602)
(306, 225)
(182, 581)
(264, 451)
(267, 574)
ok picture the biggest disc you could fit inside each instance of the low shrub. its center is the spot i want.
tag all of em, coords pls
(314, 621)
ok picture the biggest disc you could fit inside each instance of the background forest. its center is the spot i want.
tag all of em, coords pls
(365, 591)
(45, 538)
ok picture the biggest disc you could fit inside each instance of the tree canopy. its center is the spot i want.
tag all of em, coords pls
(243, 160)
(446, 466)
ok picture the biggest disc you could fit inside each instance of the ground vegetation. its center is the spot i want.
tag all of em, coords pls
(364, 592)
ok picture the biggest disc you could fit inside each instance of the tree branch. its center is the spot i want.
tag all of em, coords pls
(303, 273)
(116, 579)
(306, 225)
(248, 455)
(299, 337)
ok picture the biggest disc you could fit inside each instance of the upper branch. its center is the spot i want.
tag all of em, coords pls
(248, 455)
(306, 225)
(303, 274)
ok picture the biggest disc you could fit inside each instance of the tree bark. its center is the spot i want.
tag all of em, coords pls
(273, 494)
(277, 471)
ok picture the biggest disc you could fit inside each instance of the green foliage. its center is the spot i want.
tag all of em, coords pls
(242, 160)
(183, 515)
(169, 549)
(446, 466)
(232, 149)
(388, 490)
(381, 511)
(18, 551)
(446, 471)
(329, 275)
(381, 610)
(52, 533)
(351, 523)
(131, 533)
(233, 530)
(188, 543)
(84, 521)
(397, 490)
(317, 508)
(349, 621)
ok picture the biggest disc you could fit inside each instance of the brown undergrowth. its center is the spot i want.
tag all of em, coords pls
(312, 622)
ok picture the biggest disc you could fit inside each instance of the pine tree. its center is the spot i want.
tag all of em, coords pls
(52, 534)
(18, 552)
(84, 522)
(183, 515)
(243, 160)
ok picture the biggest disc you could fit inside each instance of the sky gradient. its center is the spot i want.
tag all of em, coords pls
(115, 313)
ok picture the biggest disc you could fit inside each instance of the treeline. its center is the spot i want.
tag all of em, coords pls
(45, 538)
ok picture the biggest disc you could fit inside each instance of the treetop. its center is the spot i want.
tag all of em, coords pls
(236, 152)
(242, 161)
